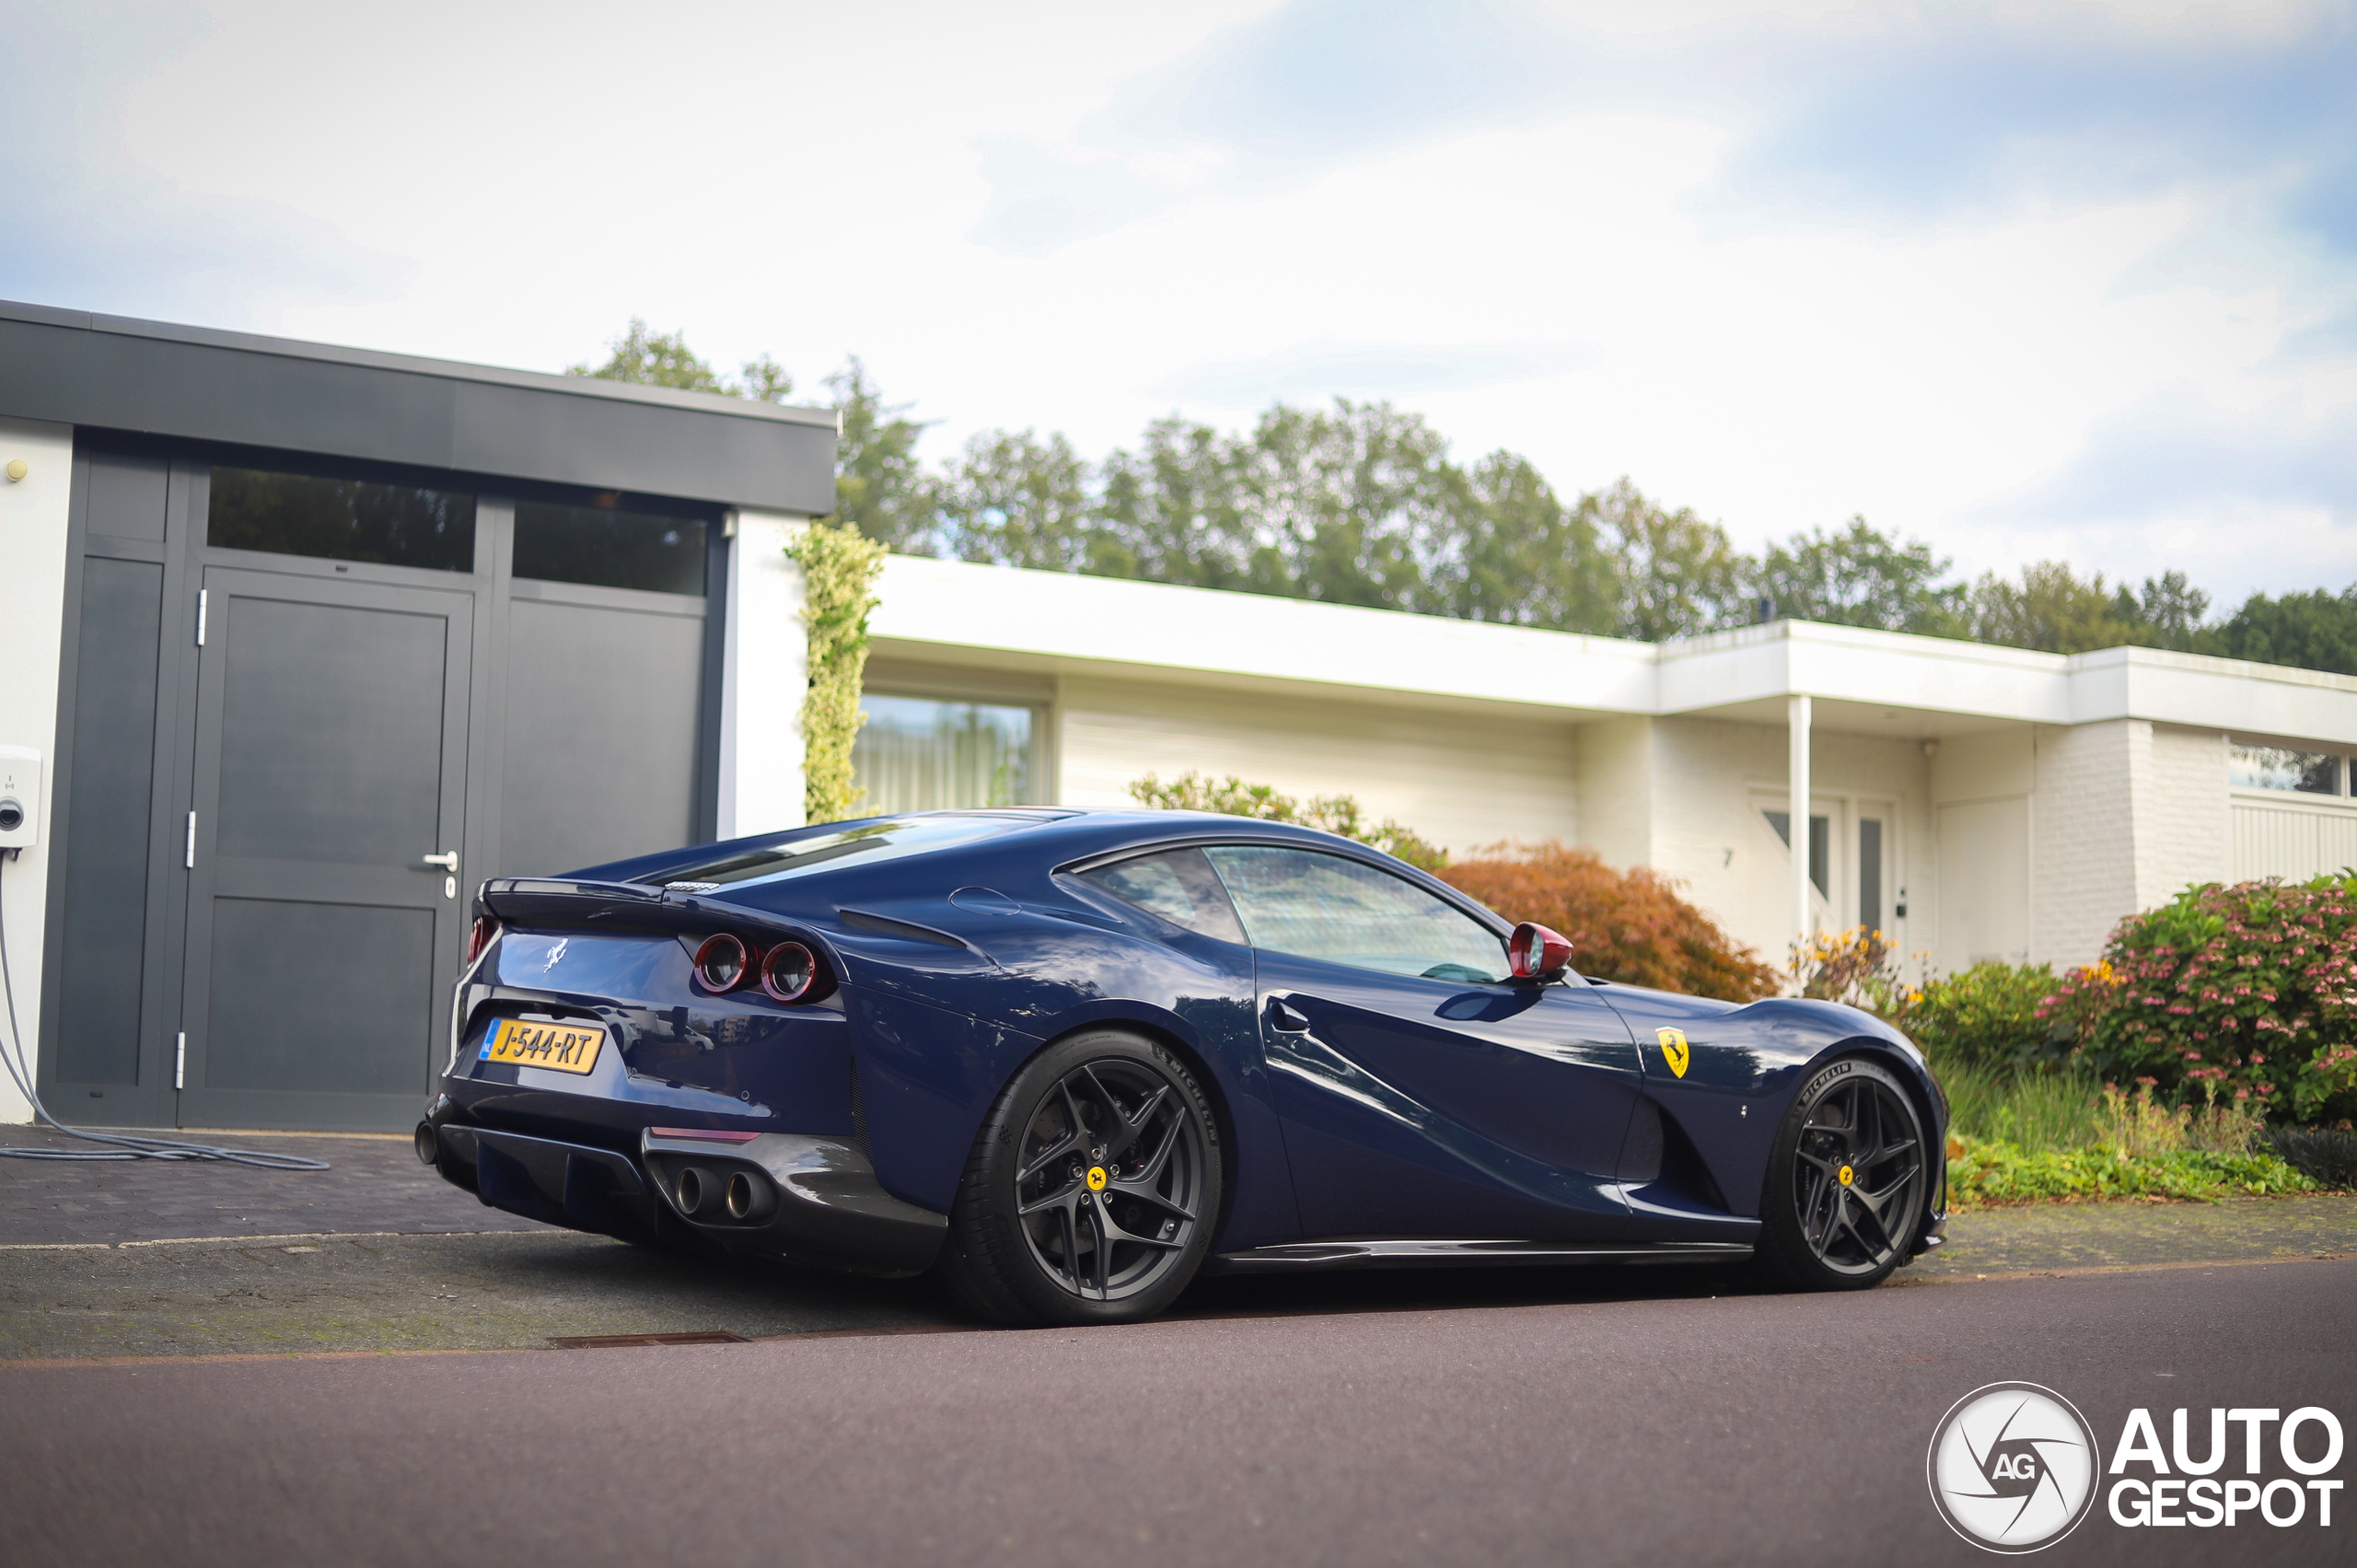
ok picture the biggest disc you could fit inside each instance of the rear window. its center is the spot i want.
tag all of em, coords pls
(1179, 885)
(890, 838)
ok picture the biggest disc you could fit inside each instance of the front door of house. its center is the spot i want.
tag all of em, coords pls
(324, 903)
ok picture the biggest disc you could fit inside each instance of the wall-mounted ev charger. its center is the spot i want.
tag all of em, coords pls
(19, 797)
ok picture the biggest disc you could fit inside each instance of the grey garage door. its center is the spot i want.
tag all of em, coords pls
(330, 771)
(246, 931)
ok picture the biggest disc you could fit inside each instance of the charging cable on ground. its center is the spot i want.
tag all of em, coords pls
(121, 1146)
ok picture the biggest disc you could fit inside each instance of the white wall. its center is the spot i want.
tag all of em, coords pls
(33, 608)
(765, 674)
(2085, 830)
(2183, 825)
(1460, 780)
(2282, 835)
(1710, 779)
(1982, 789)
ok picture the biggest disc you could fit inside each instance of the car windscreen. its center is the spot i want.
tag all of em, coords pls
(888, 838)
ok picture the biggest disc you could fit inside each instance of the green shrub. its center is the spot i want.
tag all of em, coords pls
(1983, 1173)
(2242, 993)
(1987, 1016)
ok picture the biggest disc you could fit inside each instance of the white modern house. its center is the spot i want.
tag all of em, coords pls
(1972, 802)
(302, 642)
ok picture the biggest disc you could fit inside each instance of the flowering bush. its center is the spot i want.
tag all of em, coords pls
(1852, 965)
(1629, 926)
(2246, 995)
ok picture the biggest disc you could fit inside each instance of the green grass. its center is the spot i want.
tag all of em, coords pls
(2032, 1137)
(2038, 1113)
(1989, 1173)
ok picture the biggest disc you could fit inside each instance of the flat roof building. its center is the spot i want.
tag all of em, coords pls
(308, 641)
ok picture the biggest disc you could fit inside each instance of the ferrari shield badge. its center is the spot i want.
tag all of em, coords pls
(1674, 1050)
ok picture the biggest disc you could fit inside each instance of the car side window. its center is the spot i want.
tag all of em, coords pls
(1344, 911)
(1177, 884)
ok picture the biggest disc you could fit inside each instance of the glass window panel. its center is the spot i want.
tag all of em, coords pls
(342, 519)
(1180, 885)
(1820, 846)
(1870, 874)
(1322, 906)
(2277, 767)
(610, 547)
(917, 754)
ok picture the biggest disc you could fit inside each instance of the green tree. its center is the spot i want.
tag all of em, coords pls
(1513, 553)
(1859, 577)
(663, 359)
(2172, 612)
(2051, 609)
(1020, 501)
(881, 489)
(1678, 575)
(2314, 630)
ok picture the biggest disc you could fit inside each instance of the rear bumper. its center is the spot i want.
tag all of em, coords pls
(811, 1199)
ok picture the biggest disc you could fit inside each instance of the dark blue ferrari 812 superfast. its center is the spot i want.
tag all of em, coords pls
(1069, 1059)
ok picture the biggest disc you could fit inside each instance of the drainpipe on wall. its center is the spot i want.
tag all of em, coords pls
(1797, 718)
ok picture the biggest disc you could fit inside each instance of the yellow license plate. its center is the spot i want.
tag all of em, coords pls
(566, 1048)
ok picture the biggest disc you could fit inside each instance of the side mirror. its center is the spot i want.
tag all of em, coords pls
(1533, 952)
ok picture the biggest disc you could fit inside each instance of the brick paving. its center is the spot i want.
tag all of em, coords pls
(374, 1184)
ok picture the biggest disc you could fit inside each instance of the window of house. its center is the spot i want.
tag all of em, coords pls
(1322, 906)
(2278, 767)
(341, 519)
(1821, 847)
(927, 754)
(610, 547)
(1869, 872)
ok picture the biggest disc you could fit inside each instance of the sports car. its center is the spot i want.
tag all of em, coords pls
(1072, 1059)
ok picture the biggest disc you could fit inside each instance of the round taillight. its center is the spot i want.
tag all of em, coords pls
(720, 963)
(788, 971)
(479, 938)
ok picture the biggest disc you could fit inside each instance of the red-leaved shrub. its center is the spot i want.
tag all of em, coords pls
(1629, 926)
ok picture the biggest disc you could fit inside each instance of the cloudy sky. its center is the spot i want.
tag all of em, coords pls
(2025, 280)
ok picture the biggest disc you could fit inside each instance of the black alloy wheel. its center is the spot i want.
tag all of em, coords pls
(1093, 1188)
(1846, 1186)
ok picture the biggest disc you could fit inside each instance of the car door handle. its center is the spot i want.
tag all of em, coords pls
(1283, 1018)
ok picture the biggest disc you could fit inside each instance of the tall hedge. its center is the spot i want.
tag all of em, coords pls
(839, 571)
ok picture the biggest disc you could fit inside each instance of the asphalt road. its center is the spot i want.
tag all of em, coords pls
(1672, 1429)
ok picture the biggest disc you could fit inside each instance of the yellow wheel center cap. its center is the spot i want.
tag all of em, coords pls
(1848, 1176)
(1096, 1177)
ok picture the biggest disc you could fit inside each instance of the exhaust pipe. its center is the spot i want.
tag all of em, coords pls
(696, 1189)
(429, 1147)
(750, 1197)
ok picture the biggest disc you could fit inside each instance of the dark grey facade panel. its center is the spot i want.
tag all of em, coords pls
(180, 382)
(105, 864)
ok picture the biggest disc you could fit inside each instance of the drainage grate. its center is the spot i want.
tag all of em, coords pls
(617, 1341)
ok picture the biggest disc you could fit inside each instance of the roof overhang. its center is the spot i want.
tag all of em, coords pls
(957, 613)
(73, 367)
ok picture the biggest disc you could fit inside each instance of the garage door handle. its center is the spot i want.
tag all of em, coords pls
(447, 862)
